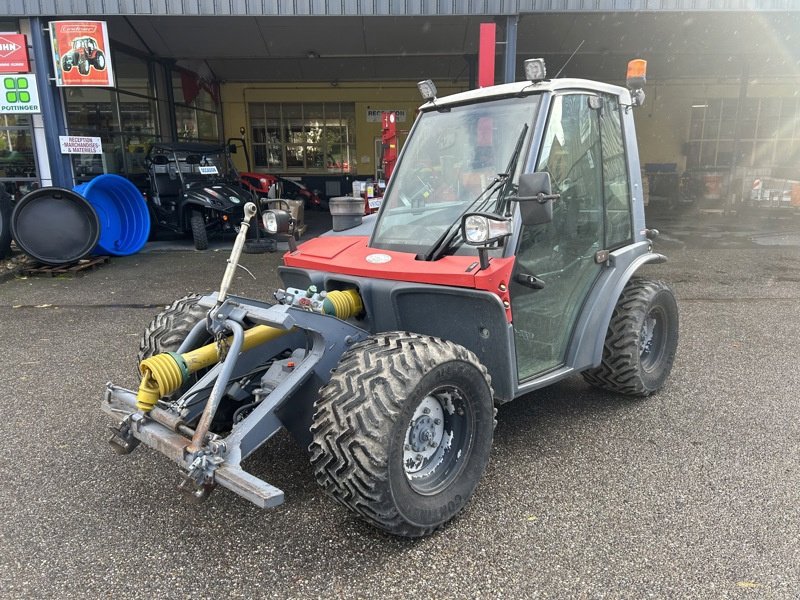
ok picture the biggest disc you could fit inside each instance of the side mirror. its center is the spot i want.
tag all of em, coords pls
(536, 198)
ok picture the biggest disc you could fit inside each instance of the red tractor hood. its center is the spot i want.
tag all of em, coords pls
(350, 255)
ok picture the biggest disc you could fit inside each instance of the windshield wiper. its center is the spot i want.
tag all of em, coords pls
(510, 170)
(444, 241)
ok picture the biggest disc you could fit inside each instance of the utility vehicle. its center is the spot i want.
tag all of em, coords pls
(193, 188)
(505, 257)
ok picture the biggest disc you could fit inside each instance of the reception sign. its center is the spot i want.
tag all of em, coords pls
(81, 53)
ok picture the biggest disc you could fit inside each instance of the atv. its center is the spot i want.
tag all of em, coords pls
(83, 54)
(193, 188)
(506, 256)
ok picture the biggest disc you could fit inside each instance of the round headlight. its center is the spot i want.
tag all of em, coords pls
(476, 228)
(270, 222)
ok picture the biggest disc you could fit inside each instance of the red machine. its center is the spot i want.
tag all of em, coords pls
(389, 139)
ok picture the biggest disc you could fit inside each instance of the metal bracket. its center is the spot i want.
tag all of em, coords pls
(601, 256)
(122, 439)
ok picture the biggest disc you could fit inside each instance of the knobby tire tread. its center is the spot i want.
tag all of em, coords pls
(354, 416)
(619, 371)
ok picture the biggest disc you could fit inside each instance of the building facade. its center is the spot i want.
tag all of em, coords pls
(304, 81)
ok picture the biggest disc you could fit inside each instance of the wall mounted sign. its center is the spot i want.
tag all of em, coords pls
(76, 144)
(374, 115)
(13, 53)
(81, 54)
(19, 94)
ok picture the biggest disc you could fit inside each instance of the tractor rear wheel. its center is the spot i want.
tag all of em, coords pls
(641, 341)
(199, 233)
(402, 432)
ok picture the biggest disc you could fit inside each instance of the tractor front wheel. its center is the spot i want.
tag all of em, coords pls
(169, 328)
(641, 341)
(402, 432)
(199, 232)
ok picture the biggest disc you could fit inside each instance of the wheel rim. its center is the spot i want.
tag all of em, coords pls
(652, 339)
(437, 441)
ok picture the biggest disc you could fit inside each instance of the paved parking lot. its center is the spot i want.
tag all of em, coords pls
(691, 493)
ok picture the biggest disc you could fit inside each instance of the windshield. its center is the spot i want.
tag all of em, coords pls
(451, 158)
(197, 164)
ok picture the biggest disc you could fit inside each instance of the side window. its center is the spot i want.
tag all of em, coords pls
(571, 153)
(615, 175)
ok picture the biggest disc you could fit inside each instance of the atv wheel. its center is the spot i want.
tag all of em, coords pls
(5, 223)
(402, 431)
(199, 233)
(641, 341)
(169, 328)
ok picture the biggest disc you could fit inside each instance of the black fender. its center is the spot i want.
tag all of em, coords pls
(586, 347)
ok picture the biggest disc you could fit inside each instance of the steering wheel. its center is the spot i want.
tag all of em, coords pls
(423, 190)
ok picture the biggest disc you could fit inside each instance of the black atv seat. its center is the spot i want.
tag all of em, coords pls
(166, 183)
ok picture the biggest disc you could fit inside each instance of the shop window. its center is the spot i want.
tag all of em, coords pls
(125, 118)
(754, 124)
(310, 137)
(195, 107)
(18, 172)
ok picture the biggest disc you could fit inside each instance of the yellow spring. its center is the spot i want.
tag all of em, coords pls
(161, 375)
(343, 304)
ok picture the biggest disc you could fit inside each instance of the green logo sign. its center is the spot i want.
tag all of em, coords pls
(16, 90)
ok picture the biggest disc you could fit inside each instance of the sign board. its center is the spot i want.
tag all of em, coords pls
(13, 53)
(76, 144)
(81, 54)
(20, 94)
(374, 115)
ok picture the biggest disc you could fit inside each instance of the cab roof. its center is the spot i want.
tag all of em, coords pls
(526, 88)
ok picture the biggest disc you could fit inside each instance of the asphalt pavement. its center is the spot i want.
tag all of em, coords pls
(691, 493)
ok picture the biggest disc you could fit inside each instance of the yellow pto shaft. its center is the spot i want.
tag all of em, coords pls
(165, 373)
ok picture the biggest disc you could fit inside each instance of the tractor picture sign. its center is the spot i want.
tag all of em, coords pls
(81, 53)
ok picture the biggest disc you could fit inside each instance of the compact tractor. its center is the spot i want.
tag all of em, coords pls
(506, 256)
(83, 54)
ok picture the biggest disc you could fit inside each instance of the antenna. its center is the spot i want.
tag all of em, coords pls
(564, 66)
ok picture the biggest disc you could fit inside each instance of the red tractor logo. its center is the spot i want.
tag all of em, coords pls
(83, 54)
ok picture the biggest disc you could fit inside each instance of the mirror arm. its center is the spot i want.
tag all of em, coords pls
(541, 198)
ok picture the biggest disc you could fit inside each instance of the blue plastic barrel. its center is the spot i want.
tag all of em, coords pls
(121, 211)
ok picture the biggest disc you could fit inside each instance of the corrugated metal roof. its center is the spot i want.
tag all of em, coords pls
(366, 8)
